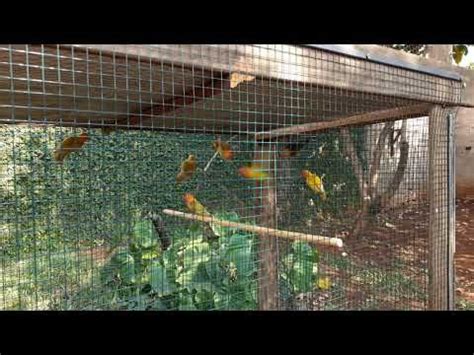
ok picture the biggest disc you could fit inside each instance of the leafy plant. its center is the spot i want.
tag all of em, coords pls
(197, 274)
(300, 268)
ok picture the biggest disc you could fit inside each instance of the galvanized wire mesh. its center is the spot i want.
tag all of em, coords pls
(90, 232)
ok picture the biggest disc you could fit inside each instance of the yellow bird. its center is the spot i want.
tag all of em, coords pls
(69, 145)
(194, 206)
(224, 149)
(315, 183)
(187, 169)
(253, 172)
(324, 283)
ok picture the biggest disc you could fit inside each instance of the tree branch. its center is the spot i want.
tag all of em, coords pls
(350, 152)
(393, 187)
(377, 157)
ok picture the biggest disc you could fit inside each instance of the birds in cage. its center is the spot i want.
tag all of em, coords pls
(187, 169)
(69, 145)
(223, 149)
(253, 171)
(315, 183)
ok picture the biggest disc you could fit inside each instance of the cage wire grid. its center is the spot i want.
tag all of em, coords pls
(104, 227)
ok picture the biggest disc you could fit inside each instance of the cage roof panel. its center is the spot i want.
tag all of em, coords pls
(192, 87)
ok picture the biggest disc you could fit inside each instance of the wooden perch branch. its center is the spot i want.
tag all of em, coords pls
(356, 120)
(316, 239)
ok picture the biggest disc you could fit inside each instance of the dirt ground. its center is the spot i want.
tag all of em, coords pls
(464, 257)
(402, 235)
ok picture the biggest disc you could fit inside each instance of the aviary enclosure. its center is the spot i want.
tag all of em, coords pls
(224, 177)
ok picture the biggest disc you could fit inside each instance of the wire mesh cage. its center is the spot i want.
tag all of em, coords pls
(222, 177)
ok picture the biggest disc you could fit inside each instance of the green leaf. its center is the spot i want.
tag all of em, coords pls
(300, 268)
(196, 251)
(302, 276)
(150, 255)
(126, 270)
(239, 254)
(303, 251)
(121, 256)
(159, 280)
(186, 302)
(195, 227)
(144, 235)
(137, 302)
(204, 299)
(215, 271)
(157, 305)
(224, 231)
(195, 278)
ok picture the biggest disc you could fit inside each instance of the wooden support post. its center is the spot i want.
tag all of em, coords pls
(451, 212)
(265, 209)
(440, 263)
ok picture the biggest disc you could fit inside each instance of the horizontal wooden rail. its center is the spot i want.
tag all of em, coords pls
(356, 120)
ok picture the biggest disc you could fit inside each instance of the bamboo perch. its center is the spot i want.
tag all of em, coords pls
(316, 239)
(356, 120)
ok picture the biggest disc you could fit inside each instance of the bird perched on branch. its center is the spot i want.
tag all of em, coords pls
(194, 205)
(315, 183)
(69, 145)
(254, 172)
(224, 149)
(187, 169)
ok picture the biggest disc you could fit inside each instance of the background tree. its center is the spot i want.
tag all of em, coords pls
(366, 164)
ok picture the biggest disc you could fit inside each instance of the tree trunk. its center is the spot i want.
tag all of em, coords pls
(383, 199)
(350, 152)
(372, 201)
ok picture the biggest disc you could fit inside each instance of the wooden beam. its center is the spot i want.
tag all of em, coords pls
(302, 64)
(439, 266)
(356, 120)
(309, 238)
(209, 88)
(266, 214)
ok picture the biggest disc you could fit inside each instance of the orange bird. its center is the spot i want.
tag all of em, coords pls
(224, 149)
(69, 145)
(253, 172)
(194, 205)
(187, 169)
